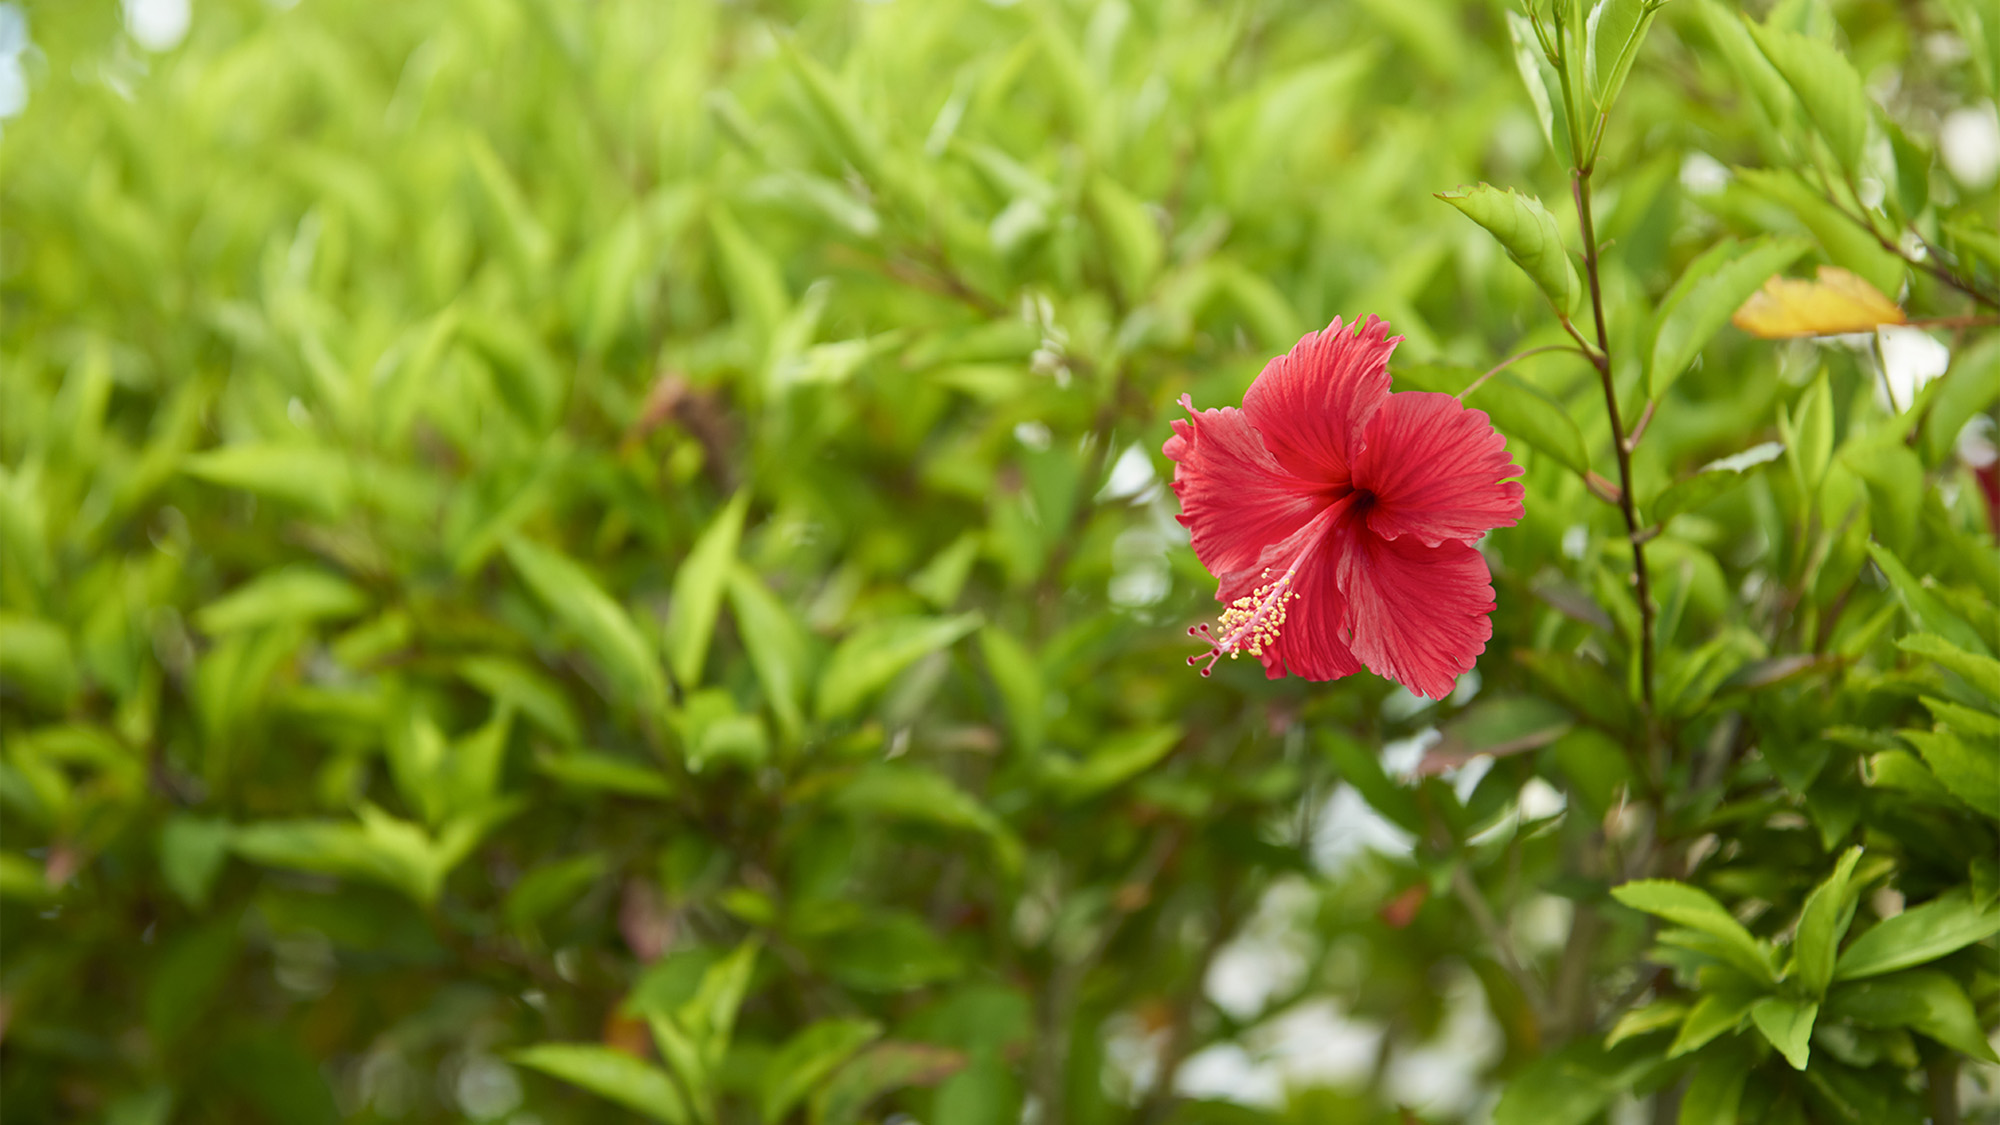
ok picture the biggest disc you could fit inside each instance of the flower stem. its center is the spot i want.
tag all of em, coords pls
(1601, 359)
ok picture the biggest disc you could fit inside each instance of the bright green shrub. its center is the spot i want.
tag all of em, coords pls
(567, 555)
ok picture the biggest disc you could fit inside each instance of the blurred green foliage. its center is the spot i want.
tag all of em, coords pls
(566, 559)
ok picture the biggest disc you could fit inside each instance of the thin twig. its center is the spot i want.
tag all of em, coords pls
(1511, 361)
(1503, 946)
(1580, 191)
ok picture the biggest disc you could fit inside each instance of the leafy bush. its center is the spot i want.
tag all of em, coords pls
(570, 559)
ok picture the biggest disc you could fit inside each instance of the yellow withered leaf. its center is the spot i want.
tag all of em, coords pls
(1837, 303)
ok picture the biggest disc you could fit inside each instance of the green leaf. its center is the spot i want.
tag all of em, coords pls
(1846, 242)
(1968, 767)
(192, 851)
(602, 624)
(1826, 84)
(1707, 294)
(808, 1058)
(877, 1071)
(1713, 481)
(1981, 33)
(550, 887)
(523, 236)
(1528, 233)
(756, 287)
(186, 978)
(1788, 1025)
(1746, 61)
(1977, 669)
(1809, 436)
(610, 1074)
(845, 125)
(1895, 480)
(698, 587)
(867, 660)
(1971, 385)
(592, 770)
(296, 593)
(1528, 62)
(22, 879)
(1572, 1084)
(777, 646)
(1518, 408)
(525, 690)
(1919, 934)
(1019, 680)
(910, 794)
(1924, 1000)
(1714, 1091)
(319, 479)
(1828, 911)
(1692, 907)
(1614, 32)
(1131, 236)
(1657, 1016)
(1924, 607)
(1123, 756)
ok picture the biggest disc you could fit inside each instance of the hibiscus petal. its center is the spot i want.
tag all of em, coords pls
(1310, 404)
(1235, 497)
(1437, 470)
(1309, 643)
(1418, 613)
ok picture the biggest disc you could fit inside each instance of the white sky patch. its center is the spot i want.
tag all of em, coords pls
(1226, 1072)
(1911, 357)
(1576, 540)
(1539, 799)
(1969, 141)
(1131, 475)
(1401, 757)
(1975, 444)
(1702, 174)
(158, 25)
(1268, 958)
(14, 43)
(1346, 828)
(1442, 1077)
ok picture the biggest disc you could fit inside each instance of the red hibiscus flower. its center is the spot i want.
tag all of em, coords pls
(1339, 519)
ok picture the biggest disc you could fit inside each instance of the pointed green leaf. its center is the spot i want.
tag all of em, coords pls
(1715, 1090)
(1716, 1013)
(1788, 1025)
(288, 594)
(610, 1074)
(1528, 233)
(1924, 1000)
(1828, 911)
(777, 646)
(1924, 607)
(1692, 907)
(698, 587)
(1826, 84)
(602, 624)
(1528, 62)
(1707, 294)
(1981, 671)
(1917, 935)
(866, 661)
(1713, 481)
(310, 477)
